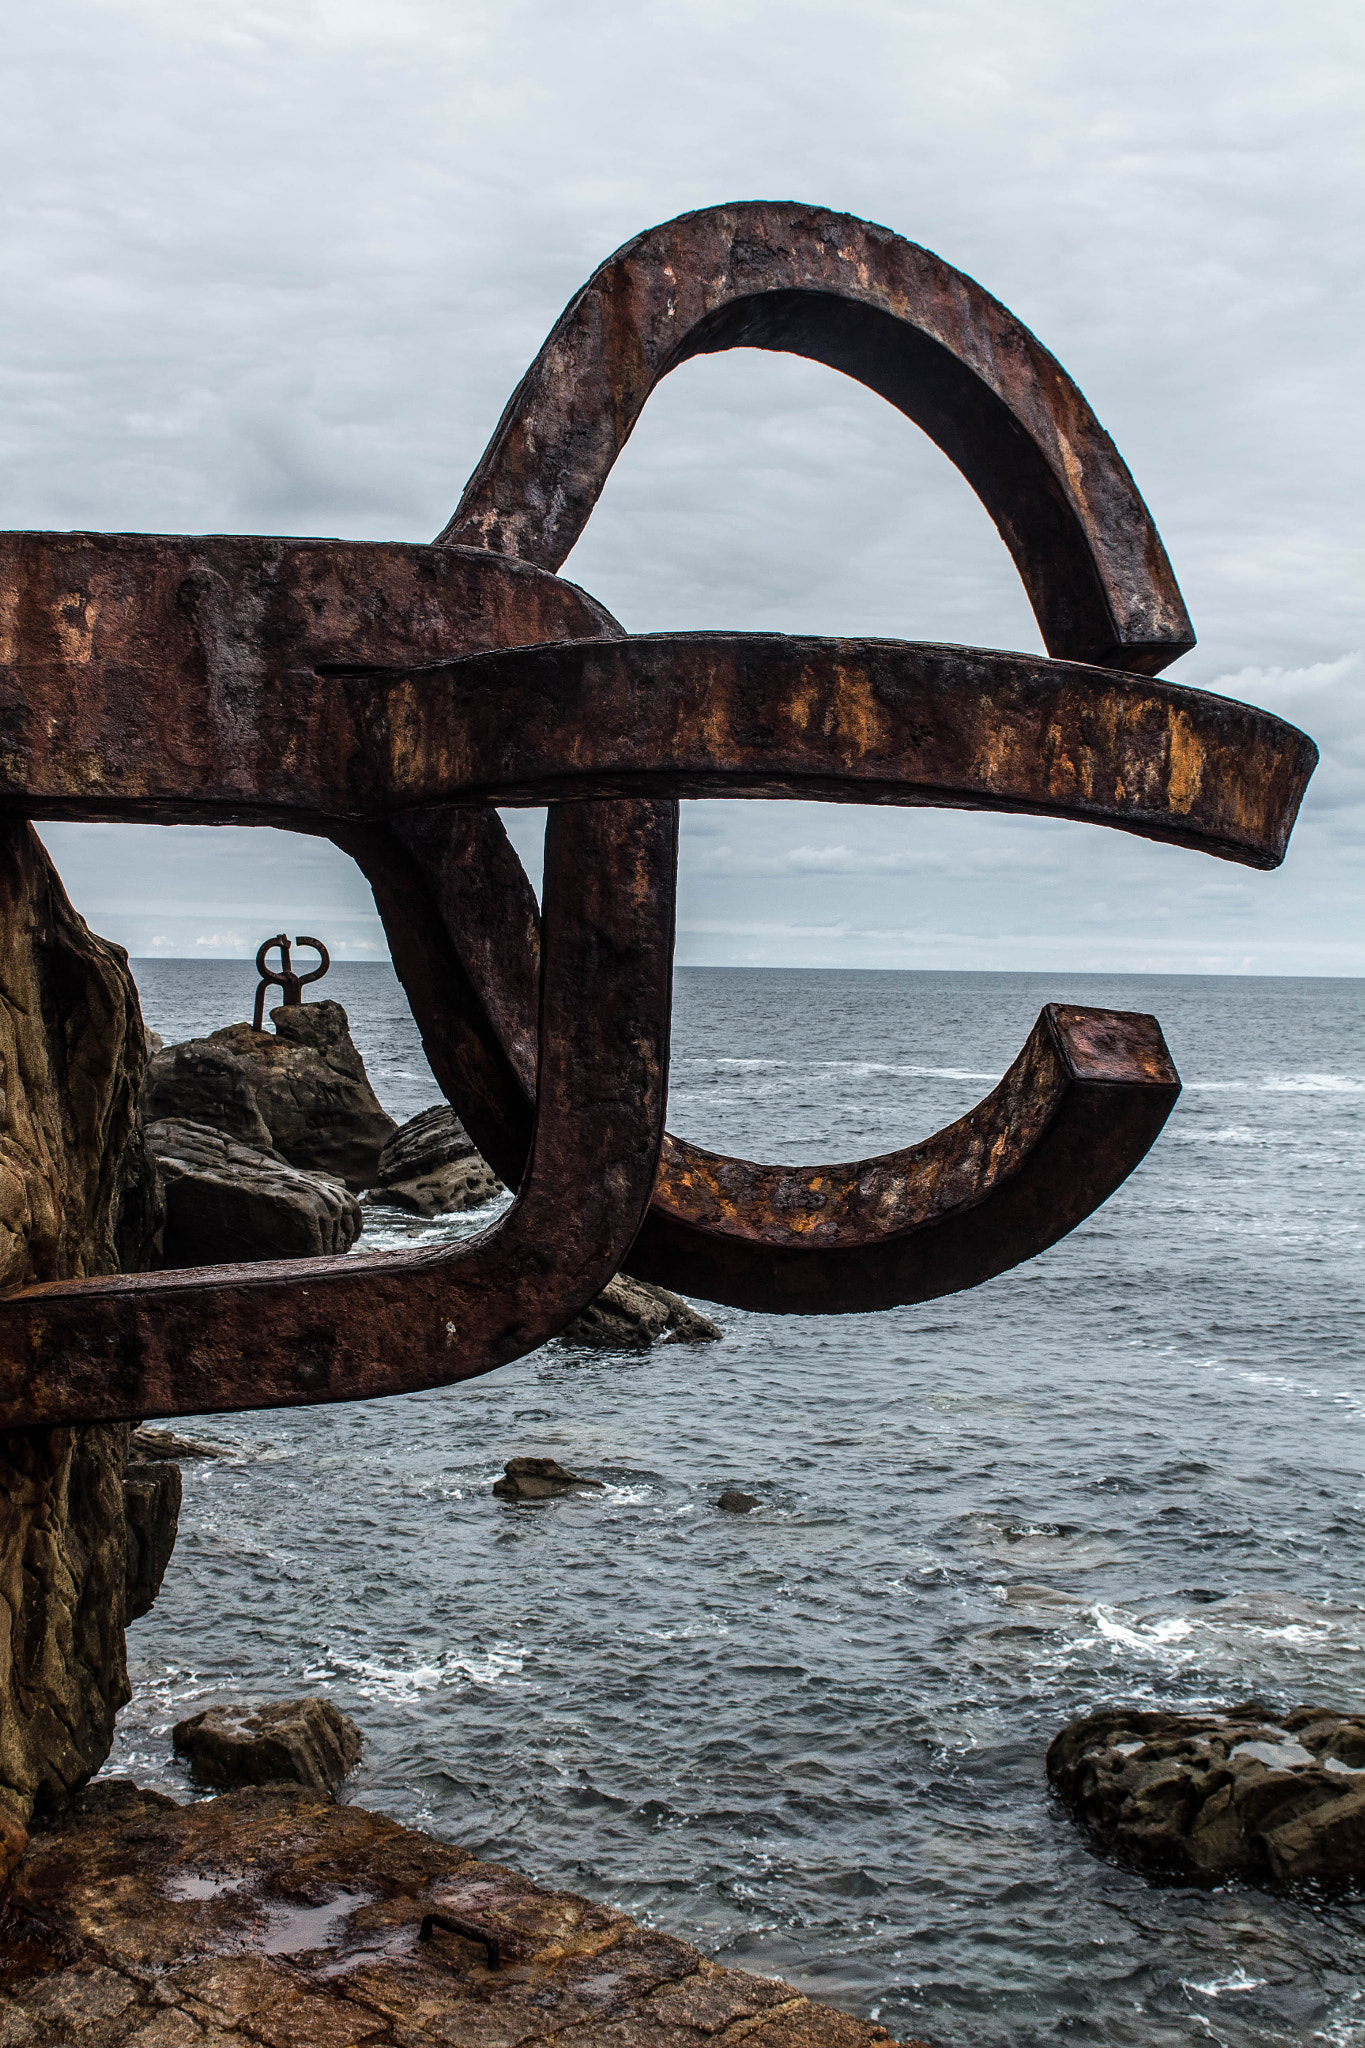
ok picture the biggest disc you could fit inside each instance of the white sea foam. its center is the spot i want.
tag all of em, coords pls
(1216, 1986)
(1151, 1636)
(1313, 1084)
(372, 1678)
(861, 1068)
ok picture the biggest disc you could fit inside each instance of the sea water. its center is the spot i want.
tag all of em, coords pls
(811, 1739)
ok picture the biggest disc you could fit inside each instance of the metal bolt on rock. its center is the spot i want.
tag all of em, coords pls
(390, 696)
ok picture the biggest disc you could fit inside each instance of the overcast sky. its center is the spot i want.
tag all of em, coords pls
(277, 268)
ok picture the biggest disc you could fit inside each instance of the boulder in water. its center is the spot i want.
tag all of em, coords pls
(629, 1315)
(303, 1742)
(430, 1166)
(526, 1479)
(1277, 1799)
(227, 1202)
(736, 1503)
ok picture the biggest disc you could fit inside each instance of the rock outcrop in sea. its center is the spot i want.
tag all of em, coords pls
(75, 1199)
(227, 1201)
(301, 1092)
(313, 1093)
(529, 1479)
(262, 1141)
(430, 1166)
(630, 1315)
(1277, 1799)
(201, 1082)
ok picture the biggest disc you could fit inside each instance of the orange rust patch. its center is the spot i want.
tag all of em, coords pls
(1185, 765)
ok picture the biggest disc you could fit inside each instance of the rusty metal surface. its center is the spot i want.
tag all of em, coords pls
(689, 714)
(882, 310)
(387, 696)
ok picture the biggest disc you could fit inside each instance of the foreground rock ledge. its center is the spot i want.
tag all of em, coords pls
(272, 1916)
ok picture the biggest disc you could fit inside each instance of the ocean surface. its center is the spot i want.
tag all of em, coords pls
(811, 1740)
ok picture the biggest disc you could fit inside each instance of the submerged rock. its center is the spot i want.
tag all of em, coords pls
(312, 1091)
(736, 1503)
(300, 1742)
(1278, 1799)
(72, 1052)
(430, 1166)
(145, 1443)
(539, 1479)
(227, 1202)
(629, 1315)
(273, 1916)
(151, 1503)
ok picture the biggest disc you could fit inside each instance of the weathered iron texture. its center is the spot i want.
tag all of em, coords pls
(388, 697)
(289, 984)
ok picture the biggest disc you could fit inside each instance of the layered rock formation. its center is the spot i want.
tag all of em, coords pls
(430, 1167)
(630, 1315)
(261, 1141)
(201, 1082)
(1275, 1798)
(228, 1202)
(73, 1191)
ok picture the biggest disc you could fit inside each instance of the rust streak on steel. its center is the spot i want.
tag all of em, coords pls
(388, 696)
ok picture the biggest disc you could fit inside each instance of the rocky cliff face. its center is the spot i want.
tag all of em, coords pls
(73, 1193)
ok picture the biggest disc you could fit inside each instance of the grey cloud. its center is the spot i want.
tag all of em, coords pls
(278, 269)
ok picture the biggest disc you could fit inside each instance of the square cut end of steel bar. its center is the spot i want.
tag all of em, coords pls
(1122, 1046)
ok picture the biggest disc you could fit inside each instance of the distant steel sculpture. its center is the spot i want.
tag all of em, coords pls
(289, 984)
(389, 696)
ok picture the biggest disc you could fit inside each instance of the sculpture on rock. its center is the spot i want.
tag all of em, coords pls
(390, 696)
(289, 983)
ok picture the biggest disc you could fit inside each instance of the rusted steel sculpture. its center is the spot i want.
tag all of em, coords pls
(388, 697)
(289, 984)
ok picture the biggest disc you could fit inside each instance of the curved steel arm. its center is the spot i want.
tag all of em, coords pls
(685, 714)
(898, 319)
(1081, 1105)
(291, 1333)
(1078, 1109)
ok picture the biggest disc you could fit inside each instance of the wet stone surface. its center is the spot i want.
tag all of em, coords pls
(272, 1916)
(1278, 1799)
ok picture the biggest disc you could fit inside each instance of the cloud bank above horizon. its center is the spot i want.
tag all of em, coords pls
(278, 270)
